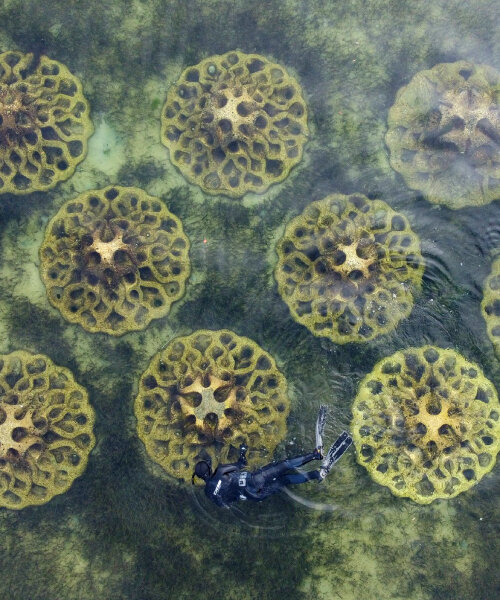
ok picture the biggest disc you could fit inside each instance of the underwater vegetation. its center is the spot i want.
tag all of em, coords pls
(348, 267)
(114, 259)
(444, 134)
(44, 123)
(426, 423)
(46, 427)
(235, 123)
(204, 395)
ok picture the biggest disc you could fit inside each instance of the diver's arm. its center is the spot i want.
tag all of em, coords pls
(242, 460)
(225, 470)
(230, 468)
(218, 500)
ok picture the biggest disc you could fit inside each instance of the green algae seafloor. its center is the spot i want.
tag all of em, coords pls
(125, 531)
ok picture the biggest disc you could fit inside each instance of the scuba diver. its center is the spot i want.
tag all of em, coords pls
(230, 482)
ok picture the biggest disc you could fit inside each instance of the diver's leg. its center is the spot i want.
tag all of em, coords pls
(264, 477)
(266, 488)
(274, 470)
(294, 478)
(298, 461)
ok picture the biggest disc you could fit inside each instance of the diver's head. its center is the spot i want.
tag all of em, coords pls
(202, 470)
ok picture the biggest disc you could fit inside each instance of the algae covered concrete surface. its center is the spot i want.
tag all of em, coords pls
(124, 530)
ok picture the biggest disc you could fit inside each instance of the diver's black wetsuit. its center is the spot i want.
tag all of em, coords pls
(230, 483)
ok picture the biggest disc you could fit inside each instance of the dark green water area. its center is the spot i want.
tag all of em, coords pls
(124, 530)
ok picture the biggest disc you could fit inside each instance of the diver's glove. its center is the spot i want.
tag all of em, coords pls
(243, 452)
(318, 454)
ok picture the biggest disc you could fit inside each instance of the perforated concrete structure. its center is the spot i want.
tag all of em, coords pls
(44, 123)
(426, 423)
(444, 134)
(46, 429)
(348, 268)
(235, 123)
(204, 395)
(114, 259)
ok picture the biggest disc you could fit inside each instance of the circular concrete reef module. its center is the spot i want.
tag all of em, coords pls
(114, 259)
(44, 123)
(204, 395)
(490, 306)
(426, 423)
(235, 123)
(444, 134)
(46, 427)
(348, 268)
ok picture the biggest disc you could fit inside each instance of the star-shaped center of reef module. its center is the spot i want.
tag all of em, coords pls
(211, 401)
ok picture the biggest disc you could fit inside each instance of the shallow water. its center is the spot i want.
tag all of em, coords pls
(124, 530)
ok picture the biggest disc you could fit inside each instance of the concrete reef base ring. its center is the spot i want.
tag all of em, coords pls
(235, 123)
(444, 134)
(114, 259)
(204, 395)
(46, 429)
(44, 123)
(348, 268)
(490, 306)
(426, 424)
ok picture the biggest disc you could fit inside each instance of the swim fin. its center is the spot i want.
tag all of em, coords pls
(320, 427)
(335, 452)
